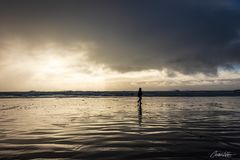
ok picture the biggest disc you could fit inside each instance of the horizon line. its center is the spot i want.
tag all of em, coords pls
(177, 90)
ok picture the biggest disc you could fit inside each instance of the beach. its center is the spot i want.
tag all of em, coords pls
(111, 128)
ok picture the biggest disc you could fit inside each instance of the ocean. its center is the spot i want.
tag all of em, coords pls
(111, 127)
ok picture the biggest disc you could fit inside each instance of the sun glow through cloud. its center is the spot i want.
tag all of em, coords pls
(53, 66)
(87, 45)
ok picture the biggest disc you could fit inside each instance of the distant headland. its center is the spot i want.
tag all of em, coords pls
(65, 94)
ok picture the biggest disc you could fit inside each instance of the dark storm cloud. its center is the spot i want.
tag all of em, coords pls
(187, 36)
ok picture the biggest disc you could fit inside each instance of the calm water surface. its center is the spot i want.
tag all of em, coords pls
(111, 128)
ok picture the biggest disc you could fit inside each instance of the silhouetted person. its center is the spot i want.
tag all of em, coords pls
(140, 95)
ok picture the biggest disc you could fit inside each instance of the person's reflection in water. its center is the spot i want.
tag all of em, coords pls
(140, 116)
(140, 106)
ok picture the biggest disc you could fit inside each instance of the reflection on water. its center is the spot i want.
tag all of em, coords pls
(139, 113)
(116, 128)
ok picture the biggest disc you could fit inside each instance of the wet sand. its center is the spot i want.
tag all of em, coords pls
(111, 128)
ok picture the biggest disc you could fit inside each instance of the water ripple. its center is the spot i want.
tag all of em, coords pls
(111, 128)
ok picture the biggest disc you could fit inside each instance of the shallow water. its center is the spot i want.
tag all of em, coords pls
(110, 128)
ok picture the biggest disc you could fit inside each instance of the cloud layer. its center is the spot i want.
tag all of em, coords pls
(164, 44)
(186, 36)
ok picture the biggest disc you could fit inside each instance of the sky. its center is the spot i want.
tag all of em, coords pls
(119, 45)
